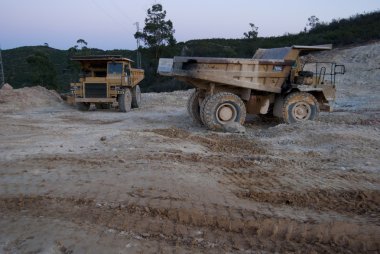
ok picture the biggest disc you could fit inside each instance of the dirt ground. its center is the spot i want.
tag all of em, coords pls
(152, 181)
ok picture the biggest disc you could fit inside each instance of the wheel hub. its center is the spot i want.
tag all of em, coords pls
(226, 112)
(301, 111)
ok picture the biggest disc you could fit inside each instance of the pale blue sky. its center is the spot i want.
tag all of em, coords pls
(109, 24)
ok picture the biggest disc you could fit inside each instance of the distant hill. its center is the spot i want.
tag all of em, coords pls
(357, 29)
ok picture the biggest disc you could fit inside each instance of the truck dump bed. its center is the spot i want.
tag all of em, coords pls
(267, 71)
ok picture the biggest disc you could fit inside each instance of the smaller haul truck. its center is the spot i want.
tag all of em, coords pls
(107, 81)
(275, 82)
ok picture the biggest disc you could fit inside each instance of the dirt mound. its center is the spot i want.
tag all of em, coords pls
(7, 86)
(14, 100)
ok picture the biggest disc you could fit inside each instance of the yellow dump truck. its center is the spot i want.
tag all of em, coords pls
(107, 81)
(276, 82)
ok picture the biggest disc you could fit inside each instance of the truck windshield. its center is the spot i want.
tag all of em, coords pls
(115, 68)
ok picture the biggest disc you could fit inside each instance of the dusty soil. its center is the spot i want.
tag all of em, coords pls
(151, 181)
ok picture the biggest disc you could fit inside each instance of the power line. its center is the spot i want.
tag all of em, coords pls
(104, 11)
(121, 11)
(110, 14)
(122, 15)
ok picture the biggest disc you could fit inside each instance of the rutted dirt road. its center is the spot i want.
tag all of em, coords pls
(152, 181)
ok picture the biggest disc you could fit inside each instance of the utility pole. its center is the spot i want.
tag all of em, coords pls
(138, 57)
(2, 78)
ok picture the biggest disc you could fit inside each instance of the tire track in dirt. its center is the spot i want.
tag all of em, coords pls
(218, 160)
(222, 227)
(359, 202)
(99, 159)
(281, 178)
(243, 171)
(276, 187)
(220, 143)
(85, 120)
(242, 153)
(92, 160)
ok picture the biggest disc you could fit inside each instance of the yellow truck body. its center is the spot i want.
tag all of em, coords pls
(107, 81)
(274, 82)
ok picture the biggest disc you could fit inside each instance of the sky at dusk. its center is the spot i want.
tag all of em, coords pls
(108, 24)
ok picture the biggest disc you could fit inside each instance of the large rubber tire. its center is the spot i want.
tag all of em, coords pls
(125, 101)
(223, 108)
(202, 108)
(299, 107)
(136, 97)
(193, 107)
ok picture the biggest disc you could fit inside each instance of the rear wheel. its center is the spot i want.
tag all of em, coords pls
(299, 107)
(223, 108)
(125, 101)
(193, 107)
(136, 97)
(202, 108)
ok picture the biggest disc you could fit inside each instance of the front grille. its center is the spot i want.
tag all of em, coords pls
(96, 90)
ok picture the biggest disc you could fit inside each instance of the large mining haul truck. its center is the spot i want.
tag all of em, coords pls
(275, 82)
(107, 81)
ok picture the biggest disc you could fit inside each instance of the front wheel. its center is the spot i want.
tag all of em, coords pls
(125, 101)
(299, 107)
(221, 109)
